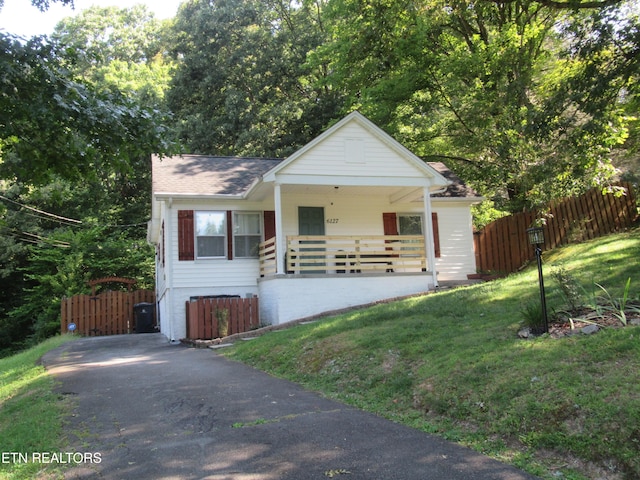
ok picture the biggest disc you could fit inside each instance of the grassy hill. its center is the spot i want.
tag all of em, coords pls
(452, 363)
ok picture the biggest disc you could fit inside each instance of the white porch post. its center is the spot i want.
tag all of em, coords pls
(428, 236)
(281, 242)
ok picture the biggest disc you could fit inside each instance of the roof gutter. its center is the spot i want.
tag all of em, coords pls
(164, 196)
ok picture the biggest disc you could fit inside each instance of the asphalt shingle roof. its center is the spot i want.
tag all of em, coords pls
(457, 189)
(208, 175)
(212, 175)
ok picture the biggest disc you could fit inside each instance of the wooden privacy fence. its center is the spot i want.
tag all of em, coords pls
(503, 246)
(109, 313)
(209, 318)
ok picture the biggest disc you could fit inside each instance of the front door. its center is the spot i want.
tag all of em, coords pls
(311, 222)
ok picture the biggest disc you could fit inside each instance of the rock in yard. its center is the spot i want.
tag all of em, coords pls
(589, 329)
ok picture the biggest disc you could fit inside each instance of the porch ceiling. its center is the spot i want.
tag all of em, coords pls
(393, 193)
(348, 190)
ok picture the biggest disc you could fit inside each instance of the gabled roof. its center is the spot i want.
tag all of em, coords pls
(375, 132)
(206, 175)
(211, 176)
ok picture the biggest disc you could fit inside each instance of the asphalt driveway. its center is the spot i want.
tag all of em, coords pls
(146, 409)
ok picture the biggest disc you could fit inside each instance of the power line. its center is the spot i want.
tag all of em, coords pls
(32, 237)
(66, 220)
(42, 212)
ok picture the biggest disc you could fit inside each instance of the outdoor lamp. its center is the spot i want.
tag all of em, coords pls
(536, 237)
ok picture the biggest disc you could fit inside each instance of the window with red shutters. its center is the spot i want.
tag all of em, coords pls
(390, 222)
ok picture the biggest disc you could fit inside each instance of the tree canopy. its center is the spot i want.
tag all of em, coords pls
(504, 92)
(80, 115)
(242, 85)
(526, 100)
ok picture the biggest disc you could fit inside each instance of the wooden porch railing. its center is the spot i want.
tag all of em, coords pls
(347, 254)
(356, 254)
(267, 257)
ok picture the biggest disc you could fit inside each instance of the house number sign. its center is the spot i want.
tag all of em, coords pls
(333, 220)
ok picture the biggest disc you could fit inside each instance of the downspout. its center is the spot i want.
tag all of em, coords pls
(169, 270)
(429, 242)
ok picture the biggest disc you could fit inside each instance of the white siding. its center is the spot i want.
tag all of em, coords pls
(358, 215)
(355, 215)
(457, 258)
(204, 277)
(164, 316)
(350, 215)
(352, 151)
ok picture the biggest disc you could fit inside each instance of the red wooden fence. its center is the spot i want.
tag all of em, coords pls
(503, 246)
(110, 313)
(205, 316)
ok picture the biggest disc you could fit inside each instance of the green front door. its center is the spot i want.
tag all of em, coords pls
(311, 222)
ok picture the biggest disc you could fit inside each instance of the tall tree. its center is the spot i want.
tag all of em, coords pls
(485, 86)
(79, 118)
(52, 122)
(242, 86)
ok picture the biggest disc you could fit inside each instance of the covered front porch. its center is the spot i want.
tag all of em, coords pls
(352, 224)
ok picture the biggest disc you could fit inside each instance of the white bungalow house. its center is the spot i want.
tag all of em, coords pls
(351, 218)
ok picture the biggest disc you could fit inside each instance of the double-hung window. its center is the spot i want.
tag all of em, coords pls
(211, 232)
(247, 234)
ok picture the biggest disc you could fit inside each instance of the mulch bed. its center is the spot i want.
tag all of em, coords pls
(572, 323)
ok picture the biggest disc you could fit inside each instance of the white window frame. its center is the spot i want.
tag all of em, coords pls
(260, 233)
(224, 235)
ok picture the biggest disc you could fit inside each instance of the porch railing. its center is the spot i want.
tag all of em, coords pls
(267, 257)
(347, 254)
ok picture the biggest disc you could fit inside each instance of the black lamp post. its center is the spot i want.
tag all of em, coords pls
(536, 237)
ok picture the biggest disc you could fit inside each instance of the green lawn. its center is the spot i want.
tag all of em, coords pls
(31, 414)
(451, 363)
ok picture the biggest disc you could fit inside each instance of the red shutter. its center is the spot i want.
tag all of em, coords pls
(390, 223)
(229, 235)
(436, 234)
(269, 224)
(186, 237)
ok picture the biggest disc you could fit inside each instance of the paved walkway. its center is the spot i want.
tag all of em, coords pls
(152, 410)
